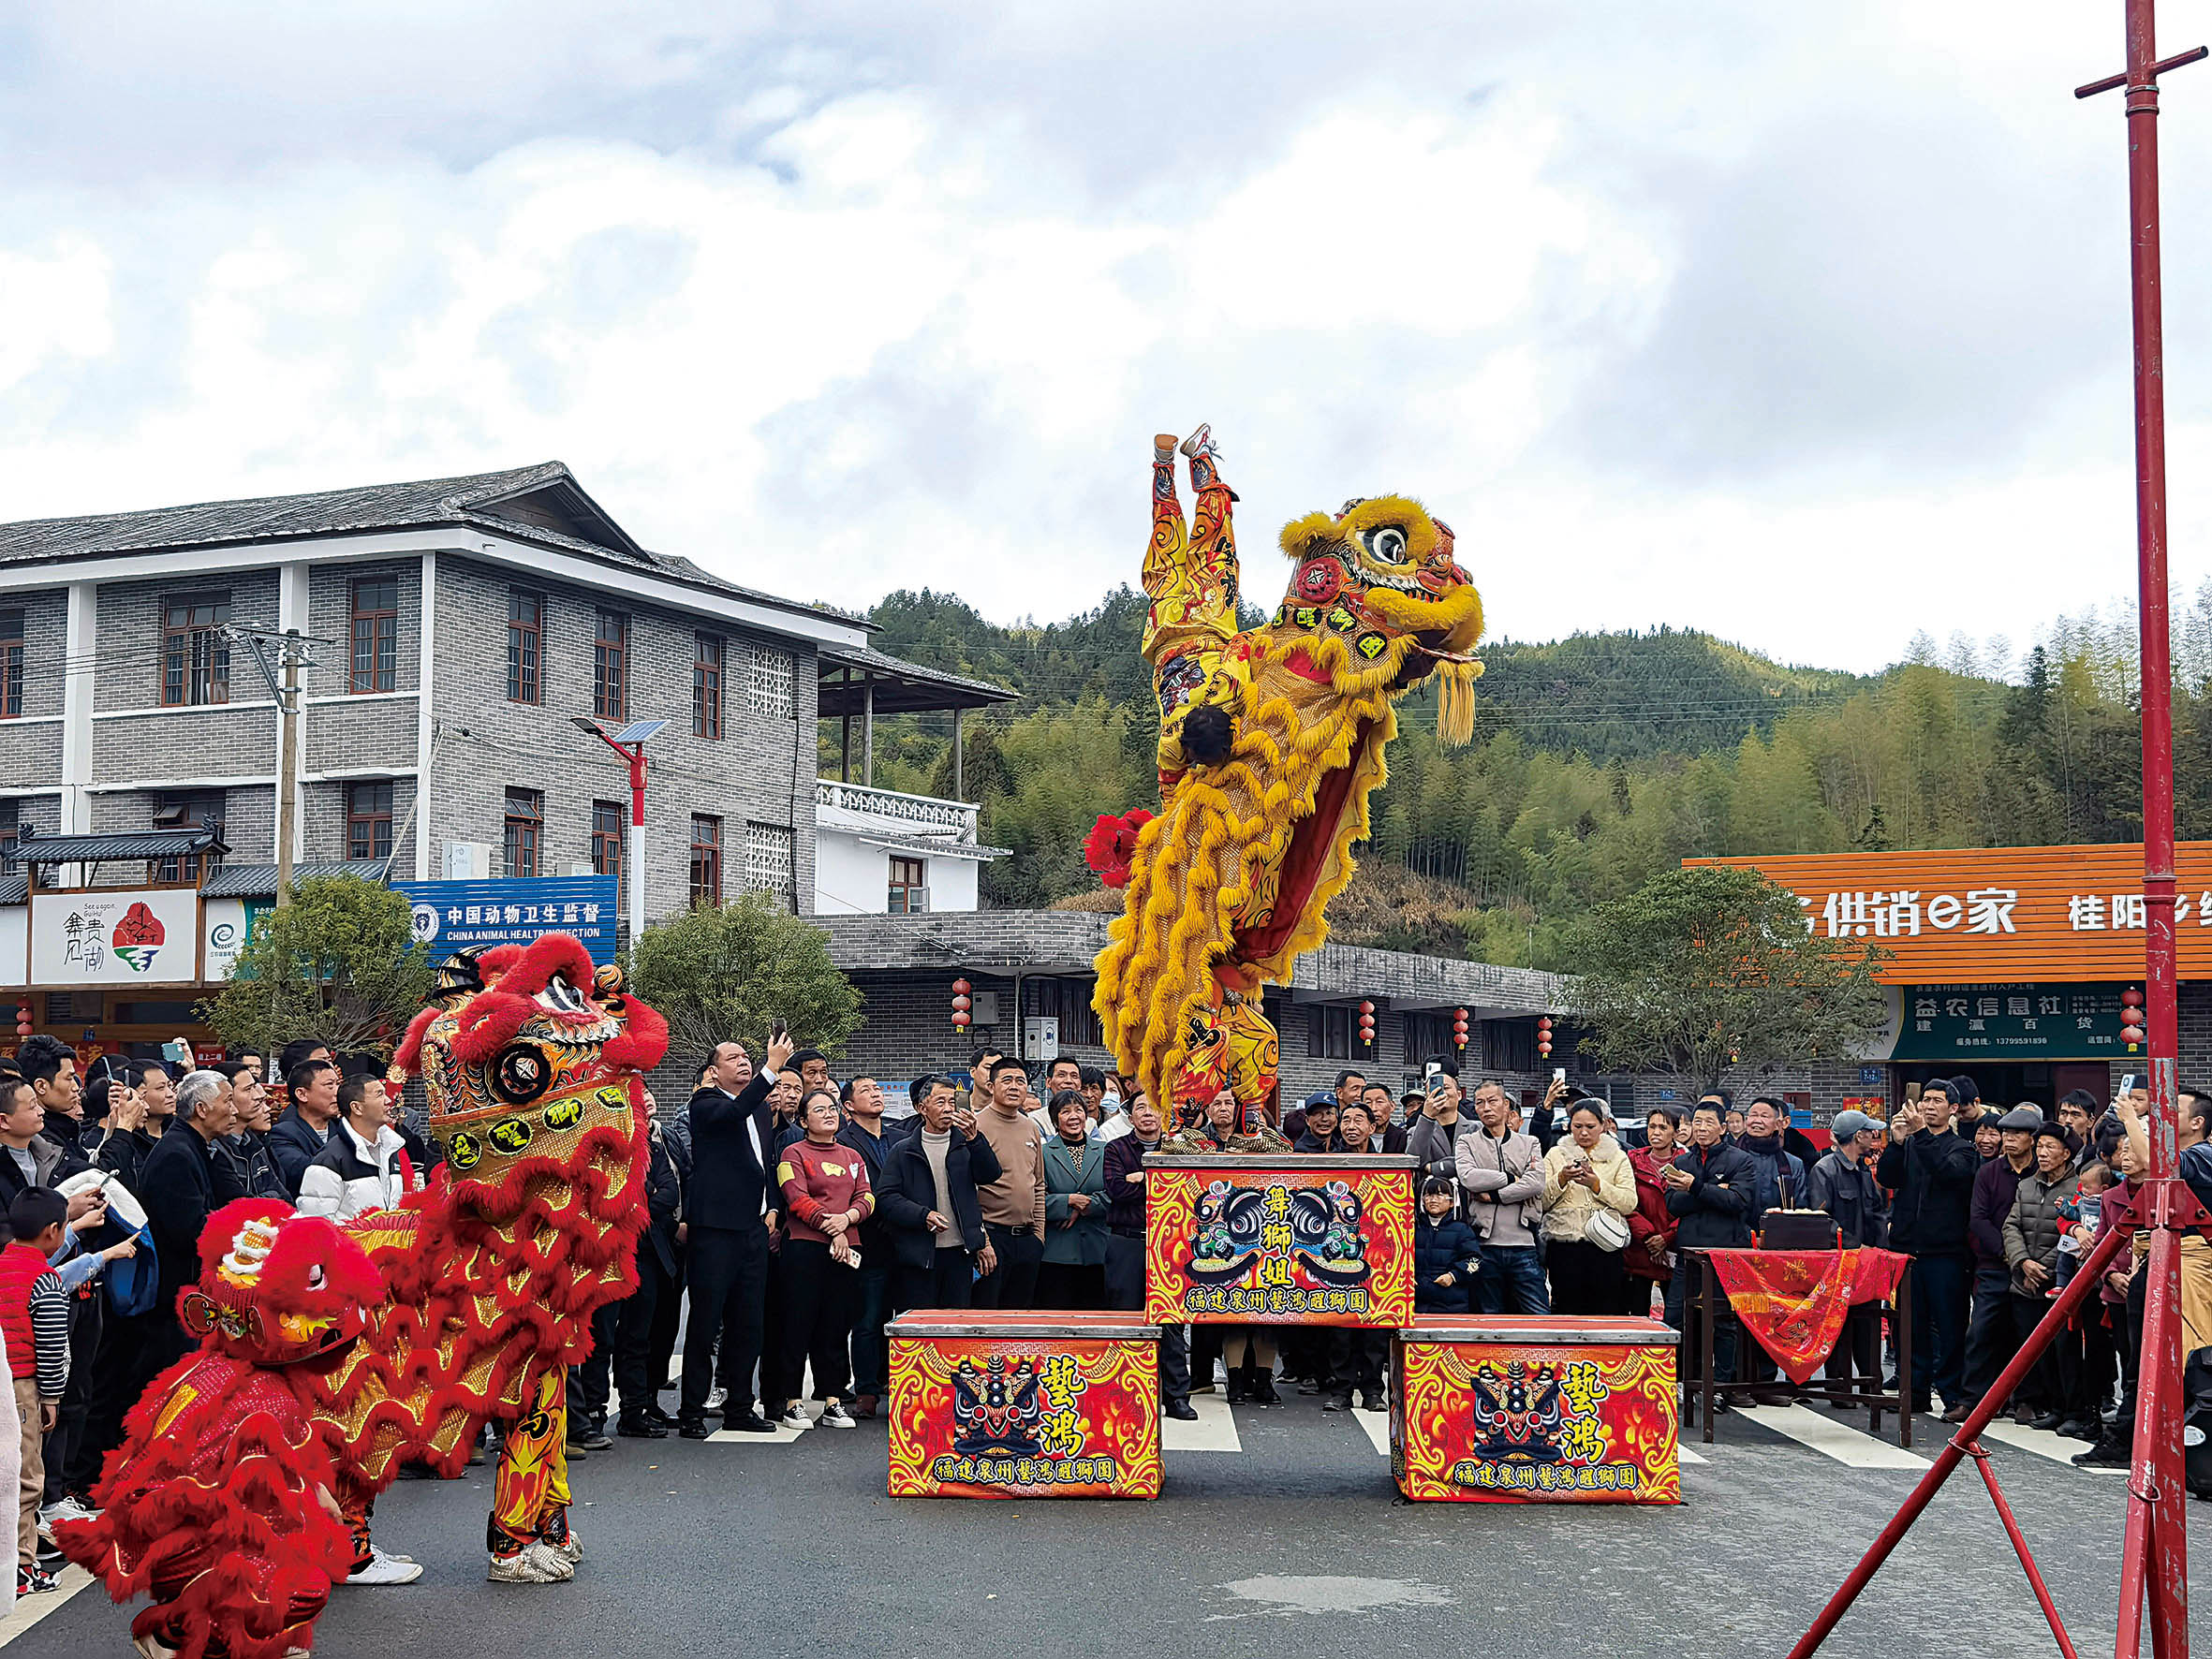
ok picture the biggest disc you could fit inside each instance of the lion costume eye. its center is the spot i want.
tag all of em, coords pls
(314, 1276)
(1387, 544)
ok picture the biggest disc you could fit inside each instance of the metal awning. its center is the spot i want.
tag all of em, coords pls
(858, 677)
(29, 850)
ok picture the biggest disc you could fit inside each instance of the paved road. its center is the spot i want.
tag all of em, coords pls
(1290, 1541)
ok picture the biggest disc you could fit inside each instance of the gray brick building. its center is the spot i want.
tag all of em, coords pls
(472, 621)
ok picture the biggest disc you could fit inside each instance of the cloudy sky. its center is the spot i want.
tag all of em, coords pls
(1807, 324)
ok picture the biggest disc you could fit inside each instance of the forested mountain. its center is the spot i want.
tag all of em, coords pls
(1599, 759)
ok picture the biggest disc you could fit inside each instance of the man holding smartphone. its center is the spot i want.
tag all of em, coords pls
(731, 1211)
(1502, 1170)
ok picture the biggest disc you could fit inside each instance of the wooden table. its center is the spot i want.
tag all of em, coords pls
(1707, 1300)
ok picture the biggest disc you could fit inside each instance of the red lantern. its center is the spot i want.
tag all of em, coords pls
(1459, 1028)
(2130, 998)
(961, 1004)
(1543, 1036)
(1367, 1024)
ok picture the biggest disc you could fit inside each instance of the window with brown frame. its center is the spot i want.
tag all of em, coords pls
(610, 648)
(607, 833)
(910, 886)
(375, 635)
(525, 831)
(706, 687)
(368, 819)
(11, 664)
(525, 639)
(203, 807)
(706, 860)
(195, 654)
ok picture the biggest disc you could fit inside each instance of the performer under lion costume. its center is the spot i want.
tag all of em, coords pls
(463, 1305)
(1271, 740)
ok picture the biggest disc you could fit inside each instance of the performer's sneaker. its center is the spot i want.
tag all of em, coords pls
(533, 1564)
(795, 1417)
(569, 1549)
(834, 1415)
(1200, 442)
(33, 1580)
(382, 1569)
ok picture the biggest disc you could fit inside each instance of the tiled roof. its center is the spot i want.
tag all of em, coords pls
(472, 498)
(259, 881)
(901, 687)
(89, 850)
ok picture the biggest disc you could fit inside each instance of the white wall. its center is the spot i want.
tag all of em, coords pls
(953, 884)
(851, 878)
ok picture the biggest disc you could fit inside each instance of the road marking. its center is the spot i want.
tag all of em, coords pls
(1830, 1438)
(1376, 1424)
(29, 1609)
(1687, 1456)
(1214, 1431)
(781, 1437)
(2042, 1442)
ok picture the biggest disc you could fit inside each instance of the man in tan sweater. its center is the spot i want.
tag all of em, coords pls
(1013, 1205)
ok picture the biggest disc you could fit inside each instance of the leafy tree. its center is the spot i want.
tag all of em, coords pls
(727, 973)
(338, 963)
(1712, 969)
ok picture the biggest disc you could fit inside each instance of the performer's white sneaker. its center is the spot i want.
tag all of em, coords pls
(381, 1568)
(834, 1415)
(1199, 440)
(569, 1550)
(794, 1418)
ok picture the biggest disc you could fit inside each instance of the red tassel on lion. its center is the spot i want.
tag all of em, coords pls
(1111, 846)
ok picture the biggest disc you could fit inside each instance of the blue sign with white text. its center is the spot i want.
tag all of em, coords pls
(450, 915)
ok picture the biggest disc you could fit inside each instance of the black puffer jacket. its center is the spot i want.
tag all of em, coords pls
(1933, 1176)
(1450, 1248)
(1716, 1208)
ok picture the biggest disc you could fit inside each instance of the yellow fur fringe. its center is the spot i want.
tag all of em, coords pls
(1455, 701)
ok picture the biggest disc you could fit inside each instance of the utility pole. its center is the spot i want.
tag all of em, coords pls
(291, 653)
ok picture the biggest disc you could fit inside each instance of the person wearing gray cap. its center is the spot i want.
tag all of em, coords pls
(1840, 1184)
(1991, 1337)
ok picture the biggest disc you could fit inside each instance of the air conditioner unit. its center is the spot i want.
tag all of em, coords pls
(576, 867)
(468, 860)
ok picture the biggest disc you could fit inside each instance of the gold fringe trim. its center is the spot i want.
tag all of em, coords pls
(1455, 702)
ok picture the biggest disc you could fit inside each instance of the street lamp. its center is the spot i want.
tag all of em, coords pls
(629, 742)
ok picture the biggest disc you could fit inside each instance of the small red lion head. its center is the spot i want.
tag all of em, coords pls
(276, 1287)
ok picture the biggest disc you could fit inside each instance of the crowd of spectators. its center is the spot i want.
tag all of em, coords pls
(791, 1216)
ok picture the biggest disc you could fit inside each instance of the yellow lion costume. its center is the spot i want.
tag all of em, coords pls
(1271, 740)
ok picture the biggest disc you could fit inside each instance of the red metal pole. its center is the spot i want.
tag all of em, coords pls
(2035, 1578)
(2085, 1279)
(2156, 1548)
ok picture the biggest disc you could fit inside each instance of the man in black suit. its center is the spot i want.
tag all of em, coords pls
(731, 1211)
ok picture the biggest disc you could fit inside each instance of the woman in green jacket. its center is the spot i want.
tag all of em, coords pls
(1074, 1271)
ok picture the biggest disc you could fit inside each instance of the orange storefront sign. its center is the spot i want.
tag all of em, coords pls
(1999, 914)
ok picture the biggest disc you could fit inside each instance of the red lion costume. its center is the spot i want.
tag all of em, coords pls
(481, 1295)
(219, 1503)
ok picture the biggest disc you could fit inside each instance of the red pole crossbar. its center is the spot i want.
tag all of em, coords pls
(2085, 1279)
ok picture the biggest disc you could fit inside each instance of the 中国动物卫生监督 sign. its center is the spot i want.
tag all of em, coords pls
(451, 915)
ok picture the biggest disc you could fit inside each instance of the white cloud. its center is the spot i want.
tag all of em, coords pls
(1808, 329)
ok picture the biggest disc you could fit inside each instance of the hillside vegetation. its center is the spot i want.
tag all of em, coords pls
(1599, 759)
